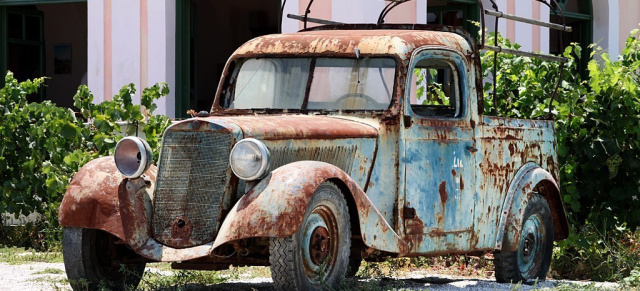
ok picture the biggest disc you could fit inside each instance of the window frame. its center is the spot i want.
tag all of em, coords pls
(457, 63)
(230, 77)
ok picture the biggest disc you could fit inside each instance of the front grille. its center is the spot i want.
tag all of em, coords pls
(192, 177)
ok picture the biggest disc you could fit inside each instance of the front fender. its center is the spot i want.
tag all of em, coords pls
(276, 205)
(99, 197)
(92, 200)
(529, 176)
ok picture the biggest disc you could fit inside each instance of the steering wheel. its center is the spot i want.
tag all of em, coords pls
(352, 98)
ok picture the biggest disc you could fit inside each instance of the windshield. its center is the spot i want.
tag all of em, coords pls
(311, 83)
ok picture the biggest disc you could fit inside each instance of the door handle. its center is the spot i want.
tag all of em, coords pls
(472, 149)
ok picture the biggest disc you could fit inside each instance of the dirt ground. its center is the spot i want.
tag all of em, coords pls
(51, 276)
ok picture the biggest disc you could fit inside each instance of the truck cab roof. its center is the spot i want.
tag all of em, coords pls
(373, 40)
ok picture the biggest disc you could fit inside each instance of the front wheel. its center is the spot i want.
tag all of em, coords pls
(92, 260)
(317, 256)
(532, 258)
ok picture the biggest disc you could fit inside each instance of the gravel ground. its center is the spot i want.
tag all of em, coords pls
(43, 276)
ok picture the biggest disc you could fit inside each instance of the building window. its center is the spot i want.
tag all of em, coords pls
(455, 13)
(579, 15)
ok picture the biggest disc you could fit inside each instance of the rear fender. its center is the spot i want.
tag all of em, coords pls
(276, 205)
(524, 183)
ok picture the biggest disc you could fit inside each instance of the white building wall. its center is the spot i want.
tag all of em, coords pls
(161, 51)
(131, 41)
(290, 25)
(629, 19)
(125, 36)
(545, 14)
(95, 49)
(357, 11)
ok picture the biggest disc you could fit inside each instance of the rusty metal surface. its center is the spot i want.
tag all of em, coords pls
(440, 169)
(92, 201)
(528, 180)
(354, 156)
(193, 176)
(505, 146)
(340, 156)
(383, 181)
(275, 207)
(100, 197)
(341, 43)
(296, 126)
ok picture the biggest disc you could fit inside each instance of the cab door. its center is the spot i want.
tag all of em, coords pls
(438, 146)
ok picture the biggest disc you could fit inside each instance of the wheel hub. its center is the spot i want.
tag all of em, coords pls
(319, 245)
(529, 244)
(530, 249)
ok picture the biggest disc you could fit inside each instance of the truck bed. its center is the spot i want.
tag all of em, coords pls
(504, 145)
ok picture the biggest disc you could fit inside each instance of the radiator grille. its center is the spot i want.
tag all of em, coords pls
(192, 178)
(339, 156)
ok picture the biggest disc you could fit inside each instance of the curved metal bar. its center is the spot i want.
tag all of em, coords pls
(555, 91)
(284, 2)
(482, 24)
(388, 9)
(381, 16)
(495, 61)
(306, 13)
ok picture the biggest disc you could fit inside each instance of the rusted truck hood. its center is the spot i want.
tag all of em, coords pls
(297, 126)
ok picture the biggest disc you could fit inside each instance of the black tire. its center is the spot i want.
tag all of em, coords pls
(532, 258)
(91, 261)
(354, 266)
(296, 264)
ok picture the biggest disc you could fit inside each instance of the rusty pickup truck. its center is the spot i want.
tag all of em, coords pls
(323, 148)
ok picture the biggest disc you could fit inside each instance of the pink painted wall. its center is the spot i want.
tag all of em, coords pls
(405, 13)
(320, 9)
(629, 19)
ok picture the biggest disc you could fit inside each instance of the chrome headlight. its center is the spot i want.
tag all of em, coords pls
(133, 156)
(250, 159)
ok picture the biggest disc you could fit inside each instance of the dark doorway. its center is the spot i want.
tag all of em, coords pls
(207, 33)
(578, 15)
(46, 40)
(25, 44)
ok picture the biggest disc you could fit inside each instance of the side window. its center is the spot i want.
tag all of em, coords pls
(435, 89)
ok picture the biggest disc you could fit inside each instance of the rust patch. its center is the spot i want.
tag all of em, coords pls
(443, 192)
(453, 172)
(461, 183)
(437, 232)
(412, 223)
(298, 126)
(511, 149)
(181, 228)
(93, 200)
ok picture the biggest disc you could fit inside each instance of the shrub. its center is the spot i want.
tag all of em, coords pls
(43, 145)
(596, 254)
(597, 126)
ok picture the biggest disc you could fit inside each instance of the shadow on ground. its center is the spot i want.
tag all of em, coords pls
(424, 283)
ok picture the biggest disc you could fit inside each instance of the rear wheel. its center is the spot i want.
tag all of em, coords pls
(532, 258)
(317, 256)
(92, 260)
